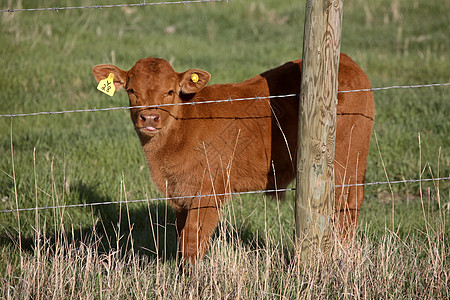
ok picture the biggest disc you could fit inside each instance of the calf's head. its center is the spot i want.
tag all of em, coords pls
(152, 82)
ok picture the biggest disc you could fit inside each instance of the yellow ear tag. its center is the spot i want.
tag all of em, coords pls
(194, 78)
(107, 85)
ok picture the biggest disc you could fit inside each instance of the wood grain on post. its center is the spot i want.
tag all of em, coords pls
(317, 127)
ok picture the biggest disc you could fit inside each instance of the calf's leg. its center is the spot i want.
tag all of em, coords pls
(347, 207)
(195, 227)
(349, 169)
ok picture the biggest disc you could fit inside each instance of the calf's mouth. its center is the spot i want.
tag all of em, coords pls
(148, 129)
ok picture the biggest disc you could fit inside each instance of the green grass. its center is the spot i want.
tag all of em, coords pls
(47, 57)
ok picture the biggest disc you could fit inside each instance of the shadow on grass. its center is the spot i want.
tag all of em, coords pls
(152, 230)
(146, 230)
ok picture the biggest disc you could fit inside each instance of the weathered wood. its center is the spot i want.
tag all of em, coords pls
(317, 127)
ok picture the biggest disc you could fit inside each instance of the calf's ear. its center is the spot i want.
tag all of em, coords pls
(102, 72)
(193, 80)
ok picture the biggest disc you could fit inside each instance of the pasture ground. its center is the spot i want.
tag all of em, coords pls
(46, 60)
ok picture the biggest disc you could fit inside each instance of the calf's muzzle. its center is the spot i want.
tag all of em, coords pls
(147, 119)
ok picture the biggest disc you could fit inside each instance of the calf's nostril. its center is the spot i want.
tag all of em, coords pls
(150, 118)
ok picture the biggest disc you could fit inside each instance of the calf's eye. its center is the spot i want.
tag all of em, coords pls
(170, 93)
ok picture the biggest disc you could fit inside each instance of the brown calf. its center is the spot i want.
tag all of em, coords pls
(237, 146)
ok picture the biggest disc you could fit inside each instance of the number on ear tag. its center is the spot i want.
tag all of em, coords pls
(107, 85)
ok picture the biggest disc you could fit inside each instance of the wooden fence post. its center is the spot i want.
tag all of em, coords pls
(317, 127)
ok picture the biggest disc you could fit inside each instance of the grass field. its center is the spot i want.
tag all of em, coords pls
(46, 60)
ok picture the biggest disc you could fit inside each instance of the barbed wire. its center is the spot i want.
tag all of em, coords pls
(210, 195)
(394, 182)
(144, 3)
(149, 106)
(397, 87)
(143, 200)
(214, 101)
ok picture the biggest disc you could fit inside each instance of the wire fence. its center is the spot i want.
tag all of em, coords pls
(141, 4)
(230, 100)
(225, 194)
(214, 101)
(209, 195)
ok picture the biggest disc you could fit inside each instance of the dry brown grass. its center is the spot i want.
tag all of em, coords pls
(390, 268)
